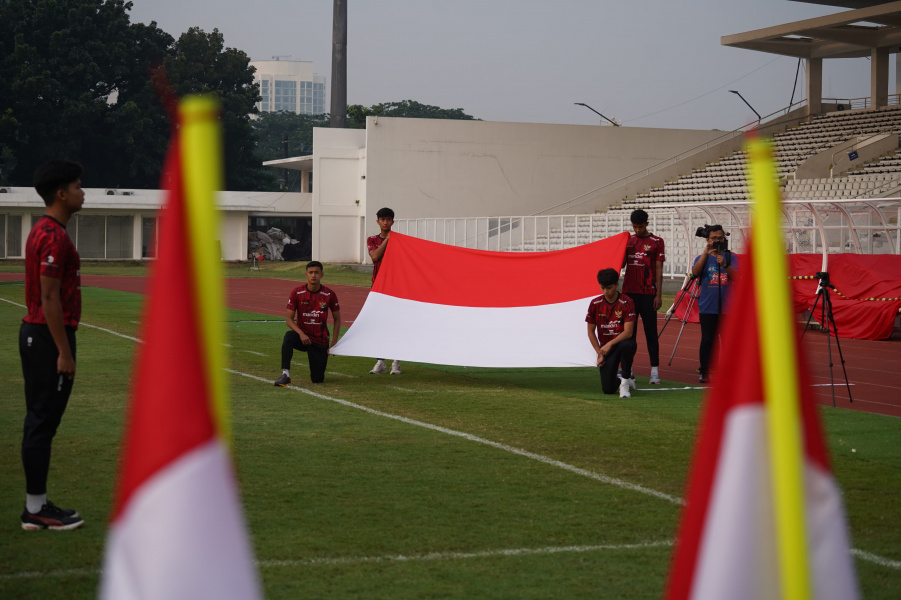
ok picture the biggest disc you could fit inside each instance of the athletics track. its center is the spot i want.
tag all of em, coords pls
(874, 367)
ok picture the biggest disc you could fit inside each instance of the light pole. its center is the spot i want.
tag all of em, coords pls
(614, 123)
(748, 103)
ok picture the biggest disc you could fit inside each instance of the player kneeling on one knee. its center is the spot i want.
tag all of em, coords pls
(611, 323)
(308, 307)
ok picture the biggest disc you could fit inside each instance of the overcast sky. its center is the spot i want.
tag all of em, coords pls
(647, 63)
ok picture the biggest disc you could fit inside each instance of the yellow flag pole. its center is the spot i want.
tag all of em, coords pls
(779, 358)
(201, 165)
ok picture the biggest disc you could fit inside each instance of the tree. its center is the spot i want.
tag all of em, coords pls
(357, 113)
(77, 82)
(200, 63)
(272, 128)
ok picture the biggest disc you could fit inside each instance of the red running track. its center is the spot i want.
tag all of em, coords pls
(872, 366)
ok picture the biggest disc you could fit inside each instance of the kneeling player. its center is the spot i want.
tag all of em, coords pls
(308, 307)
(611, 322)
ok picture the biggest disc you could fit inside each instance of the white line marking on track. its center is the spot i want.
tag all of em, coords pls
(861, 554)
(830, 384)
(473, 438)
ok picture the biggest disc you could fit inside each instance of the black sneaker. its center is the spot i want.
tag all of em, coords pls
(703, 378)
(283, 381)
(51, 517)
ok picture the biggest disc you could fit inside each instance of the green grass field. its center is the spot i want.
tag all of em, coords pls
(348, 503)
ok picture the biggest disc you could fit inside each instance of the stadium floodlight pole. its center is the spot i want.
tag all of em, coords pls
(614, 123)
(748, 103)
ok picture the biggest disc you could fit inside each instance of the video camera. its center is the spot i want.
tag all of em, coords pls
(704, 232)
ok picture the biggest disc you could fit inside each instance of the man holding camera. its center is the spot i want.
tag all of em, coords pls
(715, 267)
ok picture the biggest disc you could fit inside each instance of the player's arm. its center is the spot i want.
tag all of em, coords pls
(625, 334)
(292, 324)
(53, 314)
(336, 328)
(658, 278)
(377, 254)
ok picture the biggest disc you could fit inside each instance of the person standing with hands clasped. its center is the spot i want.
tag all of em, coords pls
(643, 282)
(47, 336)
(308, 308)
(715, 268)
(377, 244)
(611, 325)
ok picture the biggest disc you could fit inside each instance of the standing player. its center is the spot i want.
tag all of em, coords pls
(377, 244)
(308, 307)
(643, 282)
(47, 336)
(611, 325)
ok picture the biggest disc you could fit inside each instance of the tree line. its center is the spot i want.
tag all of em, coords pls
(80, 80)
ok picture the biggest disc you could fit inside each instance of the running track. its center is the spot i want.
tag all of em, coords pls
(874, 367)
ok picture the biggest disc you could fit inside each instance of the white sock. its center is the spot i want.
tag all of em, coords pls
(35, 502)
(653, 371)
(285, 371)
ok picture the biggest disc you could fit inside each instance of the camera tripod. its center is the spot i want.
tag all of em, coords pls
(691, 287)
(827, 322)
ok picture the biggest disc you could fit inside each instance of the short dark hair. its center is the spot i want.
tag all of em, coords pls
(55, 175)
(638, 217)
(314, 263)
(712, 228)
(608, 277)
(384, 213)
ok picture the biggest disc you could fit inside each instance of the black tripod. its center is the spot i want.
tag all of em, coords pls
(691, 288)
(827, 321)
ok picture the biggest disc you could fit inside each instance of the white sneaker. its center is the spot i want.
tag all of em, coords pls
(632, 383)
(655, 377)
(624, 388)
(379, 368)
(395, 368)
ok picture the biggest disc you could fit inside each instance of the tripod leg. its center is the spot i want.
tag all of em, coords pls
(831, 317)
(672, 309)
(812, 309)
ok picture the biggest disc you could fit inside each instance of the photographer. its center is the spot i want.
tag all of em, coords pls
(715, 267)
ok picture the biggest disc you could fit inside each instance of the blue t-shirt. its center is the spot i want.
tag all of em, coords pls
(712, 281)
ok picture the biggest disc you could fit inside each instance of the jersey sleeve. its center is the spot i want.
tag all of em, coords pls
(629, 316)
(661, 253)
(591, 317)
(52, 255)
(333, 303)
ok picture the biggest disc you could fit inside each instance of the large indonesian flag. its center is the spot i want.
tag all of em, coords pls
(764, 515)
(441, 304)
(177, 528)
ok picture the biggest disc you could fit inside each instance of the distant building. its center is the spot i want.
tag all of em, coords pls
(289, 85)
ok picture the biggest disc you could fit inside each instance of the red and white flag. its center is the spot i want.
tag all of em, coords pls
(441, 304)
(177, 529)
(764, 515)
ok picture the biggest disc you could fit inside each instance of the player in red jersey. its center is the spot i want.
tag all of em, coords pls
(643, 282)
(47, 336)
(308, 308)
(377, 244)
(611, 324)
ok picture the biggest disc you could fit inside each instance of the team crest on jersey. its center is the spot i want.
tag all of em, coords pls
(647, 247)
(618, 313)
(322, 305)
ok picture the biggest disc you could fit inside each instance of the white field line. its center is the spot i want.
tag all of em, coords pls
(253, 352)
(473, 438)
(654, 388)
(411, 390)
(350, 560)
(861, 554)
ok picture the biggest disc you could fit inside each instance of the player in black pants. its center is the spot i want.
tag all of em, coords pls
(611, 324)
(308, 308)
(47, 336)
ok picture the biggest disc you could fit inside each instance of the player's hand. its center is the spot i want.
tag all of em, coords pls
(658, 301)
(65, 365)
(305, 340)
(601, 359)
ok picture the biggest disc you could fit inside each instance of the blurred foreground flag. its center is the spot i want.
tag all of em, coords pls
(764, 515)
(177, 528)
(446, 305)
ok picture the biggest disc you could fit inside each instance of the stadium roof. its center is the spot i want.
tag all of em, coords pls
(849, 34)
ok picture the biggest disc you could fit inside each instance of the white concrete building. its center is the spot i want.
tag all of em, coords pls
(444, 168)
(290, 85)
(122, 224)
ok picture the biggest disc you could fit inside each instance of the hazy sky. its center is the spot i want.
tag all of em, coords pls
(647, 63)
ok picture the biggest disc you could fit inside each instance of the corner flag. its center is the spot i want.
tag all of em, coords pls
(764, 515)
(177, 527)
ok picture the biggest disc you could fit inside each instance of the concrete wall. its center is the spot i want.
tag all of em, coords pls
(867, 147)
(339, 194)
(438, 168)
